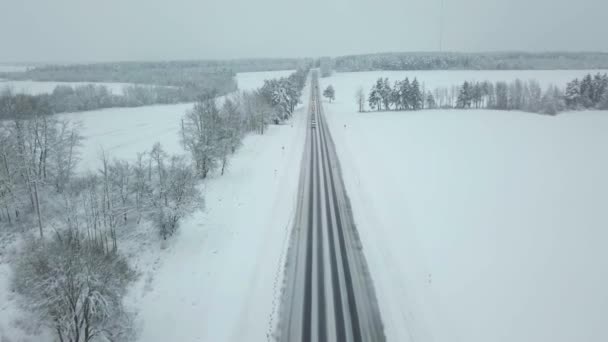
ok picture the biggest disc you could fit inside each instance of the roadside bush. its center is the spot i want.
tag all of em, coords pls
(75, 285)
(175, 194)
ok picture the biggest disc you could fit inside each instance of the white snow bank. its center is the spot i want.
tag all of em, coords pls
(479, 225)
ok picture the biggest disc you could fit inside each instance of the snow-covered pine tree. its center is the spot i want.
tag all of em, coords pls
(375, 99)
(396, 96)
(600, 85)
(386, 93)
(464, 96)
(406, 99)
(573, 94)
(329, 93)
(415, 95)
(375, 96)
(603, 104)
(586, 91)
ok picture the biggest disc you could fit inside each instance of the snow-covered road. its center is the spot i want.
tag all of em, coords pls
(328, 295)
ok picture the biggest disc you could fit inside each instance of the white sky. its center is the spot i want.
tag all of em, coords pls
(103, 30)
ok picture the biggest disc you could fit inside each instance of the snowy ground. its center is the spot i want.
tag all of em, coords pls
(220, 280)
(479, 225)
(123, 132)
(220, 277)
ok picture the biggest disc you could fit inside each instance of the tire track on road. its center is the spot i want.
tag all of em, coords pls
(337, 301)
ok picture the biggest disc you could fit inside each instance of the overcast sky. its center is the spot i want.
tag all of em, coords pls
(103, 30)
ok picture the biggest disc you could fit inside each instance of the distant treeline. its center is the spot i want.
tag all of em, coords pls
(325, 65)
(472, 61)
(155, 83)
(91, 97)
(172, 73)
(280, 94)
(589, 93)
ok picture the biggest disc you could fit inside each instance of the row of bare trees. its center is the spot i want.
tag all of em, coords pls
(38, 155)
(80, 98)
(39, 152)
(212, 132)
(73, 277)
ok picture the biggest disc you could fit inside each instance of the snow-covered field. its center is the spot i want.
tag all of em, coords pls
(479, 225)
(442, 78)
(123, 132)
(40, 87)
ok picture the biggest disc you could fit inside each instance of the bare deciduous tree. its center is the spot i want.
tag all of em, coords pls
(73, 284)
(360, 97)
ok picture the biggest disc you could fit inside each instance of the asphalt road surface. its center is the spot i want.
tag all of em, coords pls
(328, 294)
